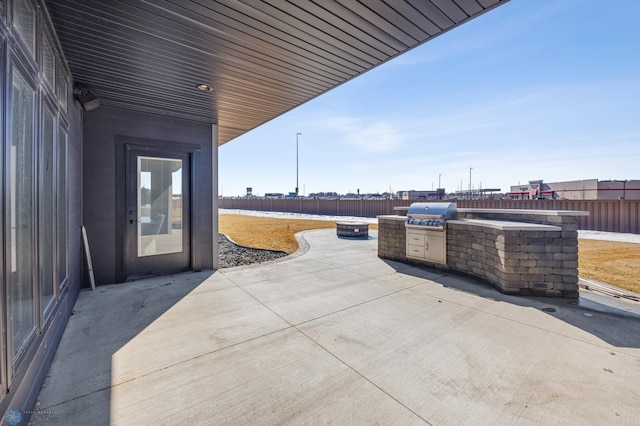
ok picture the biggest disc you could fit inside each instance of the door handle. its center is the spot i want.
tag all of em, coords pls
(132, 221)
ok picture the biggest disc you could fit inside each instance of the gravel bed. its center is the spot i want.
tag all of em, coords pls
(232, 254)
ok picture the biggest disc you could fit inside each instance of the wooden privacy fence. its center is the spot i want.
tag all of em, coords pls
(604, 215)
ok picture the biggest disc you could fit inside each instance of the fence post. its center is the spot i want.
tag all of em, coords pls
(622, 219)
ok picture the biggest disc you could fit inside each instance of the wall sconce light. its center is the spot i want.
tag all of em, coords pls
(87, 99)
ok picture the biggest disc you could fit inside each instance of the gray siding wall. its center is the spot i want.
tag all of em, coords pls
(100, 180)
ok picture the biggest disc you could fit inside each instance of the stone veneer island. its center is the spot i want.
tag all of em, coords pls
(525, 252)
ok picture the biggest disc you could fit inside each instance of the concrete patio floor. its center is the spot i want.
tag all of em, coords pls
(335, 335)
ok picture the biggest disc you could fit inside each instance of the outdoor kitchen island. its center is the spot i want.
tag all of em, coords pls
(525, 252)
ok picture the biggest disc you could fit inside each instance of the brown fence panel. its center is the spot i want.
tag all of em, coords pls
(630, 217)
(604, 215)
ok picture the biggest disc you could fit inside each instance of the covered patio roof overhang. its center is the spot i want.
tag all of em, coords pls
(260, 59)
(236, 64)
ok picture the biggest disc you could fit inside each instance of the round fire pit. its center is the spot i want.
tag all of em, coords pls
(352, 229)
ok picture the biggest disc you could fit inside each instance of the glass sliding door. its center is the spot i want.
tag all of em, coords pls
(21, 264)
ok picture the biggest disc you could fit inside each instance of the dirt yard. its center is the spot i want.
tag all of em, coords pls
(613, 263)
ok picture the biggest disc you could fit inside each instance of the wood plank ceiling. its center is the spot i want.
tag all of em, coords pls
(261, 58)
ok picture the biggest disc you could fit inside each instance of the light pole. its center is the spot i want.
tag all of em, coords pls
(470, 168)
(297, 134)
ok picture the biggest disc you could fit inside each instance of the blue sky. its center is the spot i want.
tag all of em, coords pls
(536, 89)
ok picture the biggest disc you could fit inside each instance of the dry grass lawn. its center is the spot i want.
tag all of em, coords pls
(610, 262)
(269, 233)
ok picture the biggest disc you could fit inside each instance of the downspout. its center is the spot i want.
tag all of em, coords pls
(214, 196)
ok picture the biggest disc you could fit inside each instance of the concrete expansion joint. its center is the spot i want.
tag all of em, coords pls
(76, 398)
(356, 305)
(297, 328)
(202, 355)
(362, 376)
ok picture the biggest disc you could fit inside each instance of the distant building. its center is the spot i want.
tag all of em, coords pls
(476, 194)
(324, 195)
(273, 195)
(588, 189)
(437, 194)
(350, 196)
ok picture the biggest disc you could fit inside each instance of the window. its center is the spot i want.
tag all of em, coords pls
(3, 308)
(48, 62)
(46, 209)
(61, 208)
(24, 21)
(21, 211)
(61, 85)
(159, 206)
(35, 184)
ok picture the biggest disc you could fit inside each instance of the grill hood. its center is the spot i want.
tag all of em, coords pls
(446, 211)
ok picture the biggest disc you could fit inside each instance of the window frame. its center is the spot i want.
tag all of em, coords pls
(63, 171)
(46, 309)
(15, 356)
(32, 48)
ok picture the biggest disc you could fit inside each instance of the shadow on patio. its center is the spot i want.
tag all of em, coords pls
(611, 320)
(104, 322)
(337, 335)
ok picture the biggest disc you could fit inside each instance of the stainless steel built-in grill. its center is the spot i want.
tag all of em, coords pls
(426, 226)
(431, 215)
